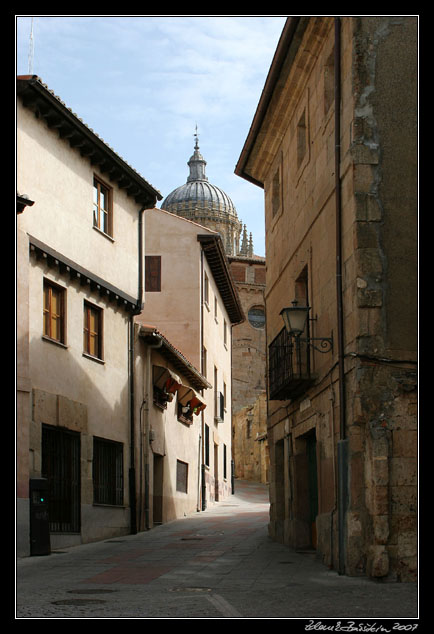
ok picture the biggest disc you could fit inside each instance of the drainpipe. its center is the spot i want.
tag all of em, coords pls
(202, 299)
(131, 354)
(147, 422)
(343, 442)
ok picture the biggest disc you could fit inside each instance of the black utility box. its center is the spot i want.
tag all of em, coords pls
(39, 526)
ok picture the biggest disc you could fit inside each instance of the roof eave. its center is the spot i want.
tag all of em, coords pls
(151, 335)
(280, 54)
(36, 96)
(214, 252)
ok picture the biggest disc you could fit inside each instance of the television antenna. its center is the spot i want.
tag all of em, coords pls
(31, 49)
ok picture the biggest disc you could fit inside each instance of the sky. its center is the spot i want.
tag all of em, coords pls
(143, 84)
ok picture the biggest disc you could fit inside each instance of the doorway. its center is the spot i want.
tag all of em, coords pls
(216, 472)
(157, 504)
(313, 484)
(61, 467)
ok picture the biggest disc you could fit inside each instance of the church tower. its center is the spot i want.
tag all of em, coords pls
(206, 204)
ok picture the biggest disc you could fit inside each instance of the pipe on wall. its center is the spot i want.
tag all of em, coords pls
(131, 379)
(147, 423)
(343, 442)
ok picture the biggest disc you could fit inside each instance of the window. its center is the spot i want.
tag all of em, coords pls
(329, 83)
(181, 476)
(206, 290)
(301, 139)
(221, 400)
(92, 331)
(256, 317)
(102, 207)
(276, 193)
(204, 361)
(54, 312)
(225, 473)
(215, 310)
(225, 333)
(216, 393)
(153, 273)
(206, 448)
(108, 468)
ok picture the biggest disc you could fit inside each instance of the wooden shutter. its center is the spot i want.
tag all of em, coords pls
(152, 273)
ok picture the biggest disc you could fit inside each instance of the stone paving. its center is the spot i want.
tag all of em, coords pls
(216, 564)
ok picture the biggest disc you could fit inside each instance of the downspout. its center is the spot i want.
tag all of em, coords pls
(131, 352)
(202, 299)
(147, 424)
(343, 443)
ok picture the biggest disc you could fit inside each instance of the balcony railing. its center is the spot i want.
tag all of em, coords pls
(289, 371)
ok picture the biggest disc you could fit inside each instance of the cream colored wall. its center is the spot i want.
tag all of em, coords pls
(65, 370)
(60, 181)
(175, 311)
(70, 389)
(176, 441)
(219, 356)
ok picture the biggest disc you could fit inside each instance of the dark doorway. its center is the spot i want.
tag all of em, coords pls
(61, 467)
(313, 484)
(157, 506)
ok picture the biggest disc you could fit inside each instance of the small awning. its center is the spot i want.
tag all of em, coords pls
(166, 380)
(188, 396)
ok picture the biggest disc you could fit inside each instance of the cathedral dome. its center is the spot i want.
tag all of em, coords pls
(198, 192)
(199, 195)
(204, 203)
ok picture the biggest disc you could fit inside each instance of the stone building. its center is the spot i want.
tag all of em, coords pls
(334, 145)
(202, 202)
(250, 444)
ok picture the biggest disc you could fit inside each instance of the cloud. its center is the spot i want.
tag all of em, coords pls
(143, 82)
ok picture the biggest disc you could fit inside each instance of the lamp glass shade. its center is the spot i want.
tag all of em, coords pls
(294, 318)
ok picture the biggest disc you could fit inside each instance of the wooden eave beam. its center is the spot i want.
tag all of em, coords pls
(43, 103)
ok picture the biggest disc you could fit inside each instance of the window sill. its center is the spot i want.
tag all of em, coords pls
(185, 421)
(103, 233)
(92, 358)
(56, 343)
(116, 506)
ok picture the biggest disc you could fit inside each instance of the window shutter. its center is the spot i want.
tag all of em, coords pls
(153, 273)
(222, 406)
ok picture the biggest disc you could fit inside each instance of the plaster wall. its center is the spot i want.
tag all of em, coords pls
(60, 181)
(178, 312)
(176, 308)
(67, 388)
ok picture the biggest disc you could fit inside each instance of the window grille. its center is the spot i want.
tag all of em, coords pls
(289, 373)
(108, 481)
(181, 476)
(61, 467)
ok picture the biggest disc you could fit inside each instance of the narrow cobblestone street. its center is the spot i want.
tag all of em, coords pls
(215, 564)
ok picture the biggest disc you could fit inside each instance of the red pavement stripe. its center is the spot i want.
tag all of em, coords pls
(129, 574)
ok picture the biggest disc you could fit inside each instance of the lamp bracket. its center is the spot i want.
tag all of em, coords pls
(325, 346)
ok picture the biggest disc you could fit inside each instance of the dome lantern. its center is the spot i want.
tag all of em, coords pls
(205, 203)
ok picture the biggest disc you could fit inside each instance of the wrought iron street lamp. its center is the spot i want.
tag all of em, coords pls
(295, 318)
